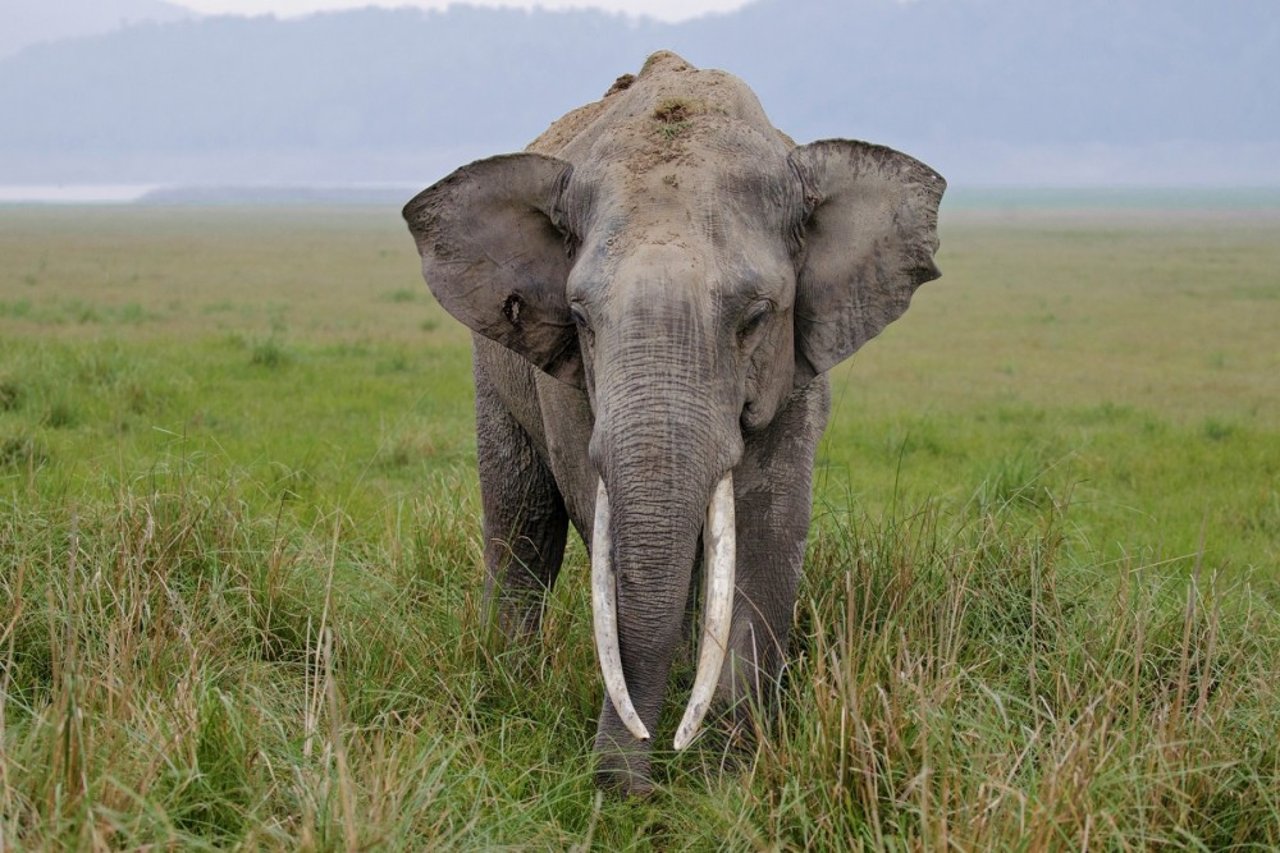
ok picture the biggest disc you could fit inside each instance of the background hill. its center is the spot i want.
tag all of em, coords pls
(27, 22)
(988, 91)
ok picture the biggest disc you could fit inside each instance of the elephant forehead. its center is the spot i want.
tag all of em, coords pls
(699, 152)
(706, 223)
(723, 194)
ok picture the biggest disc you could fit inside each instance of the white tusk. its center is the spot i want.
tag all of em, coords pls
(604, 618)
(719, 547)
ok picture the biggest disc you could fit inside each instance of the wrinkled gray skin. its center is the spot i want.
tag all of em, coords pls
(655, 289)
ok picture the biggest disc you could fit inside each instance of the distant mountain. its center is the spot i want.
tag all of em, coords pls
(28, 22)
(988, 91)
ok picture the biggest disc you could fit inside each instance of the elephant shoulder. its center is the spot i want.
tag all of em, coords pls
(505, 378)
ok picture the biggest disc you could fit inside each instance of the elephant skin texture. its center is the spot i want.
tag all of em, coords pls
(656, 287)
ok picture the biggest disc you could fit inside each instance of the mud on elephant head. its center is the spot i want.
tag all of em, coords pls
(673, 276)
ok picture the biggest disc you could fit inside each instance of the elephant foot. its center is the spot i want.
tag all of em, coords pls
(623, 766)
(625, 785)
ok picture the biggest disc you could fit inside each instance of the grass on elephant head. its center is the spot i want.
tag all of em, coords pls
(239, 560)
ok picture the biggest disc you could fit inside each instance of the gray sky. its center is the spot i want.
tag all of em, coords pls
(667, 10)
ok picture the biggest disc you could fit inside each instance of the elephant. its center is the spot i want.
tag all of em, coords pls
(656, 287)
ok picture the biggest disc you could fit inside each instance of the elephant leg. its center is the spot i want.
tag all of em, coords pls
(525, 523)
(774, 502)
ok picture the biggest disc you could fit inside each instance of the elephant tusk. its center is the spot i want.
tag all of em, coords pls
(604, 618)
(719, 548)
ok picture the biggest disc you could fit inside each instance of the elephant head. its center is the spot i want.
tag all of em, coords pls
(688, 268)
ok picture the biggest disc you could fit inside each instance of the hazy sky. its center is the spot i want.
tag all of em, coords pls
(668, 10)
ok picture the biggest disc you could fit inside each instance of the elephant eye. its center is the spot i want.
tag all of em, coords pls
(754, 319)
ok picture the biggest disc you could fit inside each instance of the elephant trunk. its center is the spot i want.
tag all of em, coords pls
(665, 464)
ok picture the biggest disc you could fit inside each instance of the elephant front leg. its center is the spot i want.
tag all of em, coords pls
(525, 523)
(774, 499)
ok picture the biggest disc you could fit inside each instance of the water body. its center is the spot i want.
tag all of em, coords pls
(74, 193)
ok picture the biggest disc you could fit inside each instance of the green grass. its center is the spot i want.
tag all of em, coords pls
(240, 563)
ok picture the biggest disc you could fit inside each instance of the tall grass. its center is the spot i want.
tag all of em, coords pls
(971, 687)
(180, 670)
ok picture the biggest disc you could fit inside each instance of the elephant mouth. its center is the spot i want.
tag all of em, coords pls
(719, 542)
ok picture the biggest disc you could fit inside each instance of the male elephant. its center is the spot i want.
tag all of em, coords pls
(656, 288)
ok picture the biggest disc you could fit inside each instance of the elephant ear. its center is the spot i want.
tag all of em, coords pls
(869, 242)
(495, 259)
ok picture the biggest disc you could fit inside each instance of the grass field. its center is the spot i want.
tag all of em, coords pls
(239, 557)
